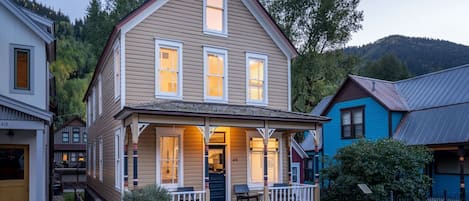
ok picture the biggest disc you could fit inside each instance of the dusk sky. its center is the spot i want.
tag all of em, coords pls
(447, 20)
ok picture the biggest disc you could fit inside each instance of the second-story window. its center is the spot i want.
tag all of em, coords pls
(100, 95)
(117, 71)
(22, 68)
(215, 71)
(256, 81)
(352, 123)
(65, 137)
(168, 68)
(215, 17)
(76, 135)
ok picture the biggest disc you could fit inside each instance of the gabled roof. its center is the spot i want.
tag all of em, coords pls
(438, 89)
(321, 106)
(30, 20)
(299, 150)
(308, 142)
(27, 109)
(150, 6)
(441, 125)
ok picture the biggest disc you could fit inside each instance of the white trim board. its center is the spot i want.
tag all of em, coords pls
(165, 131)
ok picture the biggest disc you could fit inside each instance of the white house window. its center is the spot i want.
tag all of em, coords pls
(101, 159)
(117, 71)
(256, 80)
(65, 137)
(215, 17)
(94, 159)
(215, 71)
(168, 68)
(117, 159)
(256, 160)
(76, 135)
(100, 95)
(169, 157)
(93, 97)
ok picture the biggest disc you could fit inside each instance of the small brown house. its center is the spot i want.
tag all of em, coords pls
(70, 143)
(194, 94)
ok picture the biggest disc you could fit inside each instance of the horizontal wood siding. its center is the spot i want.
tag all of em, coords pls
(238, 157)
(193, 158)
(105, 126)
(182, 21)
(146, 157)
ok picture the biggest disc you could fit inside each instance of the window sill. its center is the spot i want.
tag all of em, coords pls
(214, 33)
(211, 100)
(257, 103)
(161, 96)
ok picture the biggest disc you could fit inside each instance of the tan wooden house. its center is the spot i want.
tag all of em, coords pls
(194, 93)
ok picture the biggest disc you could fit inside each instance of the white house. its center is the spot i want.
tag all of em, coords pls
(26, 49)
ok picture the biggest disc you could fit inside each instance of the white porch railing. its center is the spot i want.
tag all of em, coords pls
(188, 196)
(298, 192)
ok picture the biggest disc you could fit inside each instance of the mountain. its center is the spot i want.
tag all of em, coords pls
(420, 55)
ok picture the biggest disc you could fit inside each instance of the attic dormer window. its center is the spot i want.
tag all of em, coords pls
(215, 17)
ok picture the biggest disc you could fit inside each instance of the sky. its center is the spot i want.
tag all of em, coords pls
(438, 19)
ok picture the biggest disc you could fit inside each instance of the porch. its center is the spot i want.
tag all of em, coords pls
(210, 150)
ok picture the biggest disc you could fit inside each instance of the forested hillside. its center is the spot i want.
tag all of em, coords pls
(420, 55)
(79, 44)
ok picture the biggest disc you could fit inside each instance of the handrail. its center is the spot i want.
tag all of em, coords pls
(188, 196)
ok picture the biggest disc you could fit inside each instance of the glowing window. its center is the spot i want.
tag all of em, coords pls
(117, 71)
(256, 68)
(215, 74)
(256, 147)
(168, 69)
(215, 16)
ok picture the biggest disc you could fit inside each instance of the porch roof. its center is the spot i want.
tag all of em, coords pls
(218, 110)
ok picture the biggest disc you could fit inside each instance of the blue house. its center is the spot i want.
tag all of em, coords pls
(430, 110)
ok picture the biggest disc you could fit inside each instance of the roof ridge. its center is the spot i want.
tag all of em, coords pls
(370, 78)
(433, 73)
(439, 106)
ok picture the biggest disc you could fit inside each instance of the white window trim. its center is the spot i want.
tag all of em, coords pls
(117, 93)
(264, 57)
(298, 173)
(88, 110)
(256, 134)
(31, 75)
(89, 159)
(224, 98)
(94, 159)
(159, 43)
(118, 159)
(93, 97)
(224, 32)
(100, 95)
(178, 132)
(101, 159)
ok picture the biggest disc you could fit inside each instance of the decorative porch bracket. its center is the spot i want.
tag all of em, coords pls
(206, 131)
(266, 133)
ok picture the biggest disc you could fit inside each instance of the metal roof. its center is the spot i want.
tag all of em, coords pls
(384, 91)
(321, 106)
(441, 125)
(436, 89)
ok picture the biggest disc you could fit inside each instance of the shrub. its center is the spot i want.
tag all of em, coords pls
(148, 193)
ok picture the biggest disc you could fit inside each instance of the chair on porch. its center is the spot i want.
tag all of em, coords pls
(187, 189)
(242, 193)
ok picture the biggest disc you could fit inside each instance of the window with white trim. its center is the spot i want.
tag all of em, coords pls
(94, 159)
(256, 79)
(215, 17)
(168, 68)
(88, 112)
(89, 159)
(100, 95)
(117, 71)
(169, 157)
(215, 74)
(93, 111)
(256, 160)
(22, 67)
(101, 159)
(118, 158)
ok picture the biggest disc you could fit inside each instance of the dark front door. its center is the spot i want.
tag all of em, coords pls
(216, 171)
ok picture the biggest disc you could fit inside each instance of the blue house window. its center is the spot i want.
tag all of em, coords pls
(352, 123)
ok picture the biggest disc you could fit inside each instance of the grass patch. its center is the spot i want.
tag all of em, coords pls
(68, 196)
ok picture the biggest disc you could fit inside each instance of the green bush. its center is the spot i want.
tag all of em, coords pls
(385, 166)
(148, 193)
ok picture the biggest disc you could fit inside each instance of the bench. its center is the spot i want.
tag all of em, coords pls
(242, 193)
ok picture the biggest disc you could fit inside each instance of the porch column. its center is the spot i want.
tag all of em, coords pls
(126, 158)
(462, 188)
(266, 133)
(316, 164)
(39, 168)
(135, 132)
(290, 159)
(207, 131)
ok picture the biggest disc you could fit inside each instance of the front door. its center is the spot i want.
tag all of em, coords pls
(14, 173)
(216, 171)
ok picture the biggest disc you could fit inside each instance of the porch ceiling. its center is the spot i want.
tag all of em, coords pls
(193, 113)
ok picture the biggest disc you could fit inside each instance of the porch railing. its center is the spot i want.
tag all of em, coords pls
(298, 192)
(188, 196)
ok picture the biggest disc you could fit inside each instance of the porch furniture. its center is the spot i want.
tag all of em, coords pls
(242, 193)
